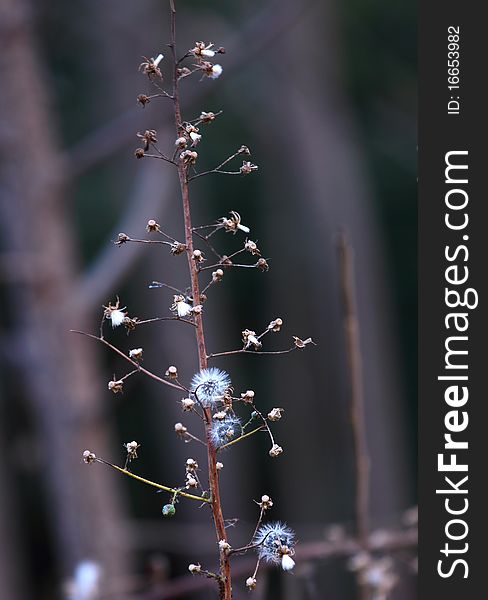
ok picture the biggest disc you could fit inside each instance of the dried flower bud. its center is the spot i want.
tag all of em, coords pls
(194, 568)
(197, 310)
(275, 451)
(217, 275)
(136, 354)
(249, 338)
(262, 265)
(168, 510)
(302, 343)
(139, 152)
(89, 457)
(248, 167)
(187, 404)
(198, 256)
(251, 583)
(248, 396)
(276, 325)
(122, 238)
(219, 466)
(142, 99)
(275, 414)
(116, 386)
(252, 247)
(177, 248)
(171, 373)
(266, 502)
(130, 324)
(180, 429)
(244, 150)
(191, 465)
(152, 226)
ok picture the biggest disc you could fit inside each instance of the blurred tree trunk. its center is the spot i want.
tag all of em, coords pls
(56, 370)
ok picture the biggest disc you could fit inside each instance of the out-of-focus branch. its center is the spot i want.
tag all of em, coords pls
(149, 197)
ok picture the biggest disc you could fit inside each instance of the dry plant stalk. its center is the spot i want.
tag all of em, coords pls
(210, 395)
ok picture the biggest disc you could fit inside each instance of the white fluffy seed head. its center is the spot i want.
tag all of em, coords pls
(117, 317)
(274, 541)
(216, 71)
(210, 385)
(222, 432)
(287, 562)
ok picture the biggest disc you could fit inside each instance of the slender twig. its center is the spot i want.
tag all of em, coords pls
(242, 437)
(218, 168)
(254, 352)
(128, 359)
(153, 320)
(351, 325)
(159, 486)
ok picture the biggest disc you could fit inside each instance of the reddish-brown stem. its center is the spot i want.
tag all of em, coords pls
(225, 575)
(351, 325)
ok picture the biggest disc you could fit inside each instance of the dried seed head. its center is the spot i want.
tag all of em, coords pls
(266, 502)
(189, 157)
(244, 150)
(233, 223)
(249, 338)
(195, 138)
(177, 248)
(217, 275)
(180, 429)
(131, 448)
(191, 465)
(150, 67)
(219, 466)
(180, 306)
(142, 99)
(148, 137)
(202, 50)
(210, 385)
(116, 386)
(247, 168)
(248, 396)
(302, 343)
(130, 324)
(152, 226)
(262, 265)
(194, 568)
(198, 256)
(276, 325)
(252, 247)
(251, 583)
(136, 354)
(197, 310)
(122, 238)
(226, 430)
(191, 482)
(187, 404)
(181, 142)
(114, 313)
(89, 457)
(224, 546)
(183, 72)
(207, 117)
(171, 373)
(275, 414)
(139, 152)
(275, 451)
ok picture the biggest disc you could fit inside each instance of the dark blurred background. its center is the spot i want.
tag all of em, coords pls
(324, 94)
